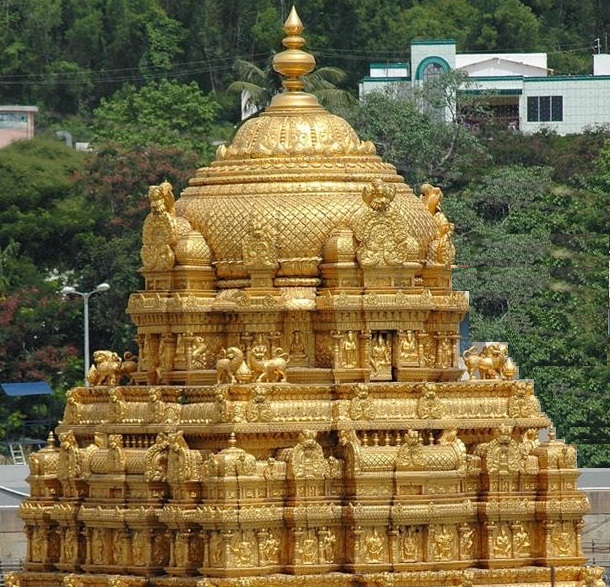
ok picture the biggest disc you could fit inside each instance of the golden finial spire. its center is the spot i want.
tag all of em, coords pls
(293, 64)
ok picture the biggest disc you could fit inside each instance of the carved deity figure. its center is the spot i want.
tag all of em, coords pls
(269, 548)
(444, 353)
(373, 547)
(327, 543)
(307, 458)
(410, 545)
(521, 540)
(258, 249)
(466, 541)
(349, 351)
(308, 550)
(243, 552)
(361, 406)
(297, 345)
(160, 233)
(382, 233)
(380, 355)
(562, 538)
(502, 544)
(443, 544)
(408, 349)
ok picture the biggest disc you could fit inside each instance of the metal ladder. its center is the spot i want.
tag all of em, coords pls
(17, 453)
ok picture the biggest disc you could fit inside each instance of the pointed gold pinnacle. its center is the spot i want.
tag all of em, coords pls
(293, 63)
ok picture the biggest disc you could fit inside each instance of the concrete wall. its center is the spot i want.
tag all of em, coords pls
(13, 543)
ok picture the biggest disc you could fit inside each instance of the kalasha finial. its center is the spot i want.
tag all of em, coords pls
(293, 63)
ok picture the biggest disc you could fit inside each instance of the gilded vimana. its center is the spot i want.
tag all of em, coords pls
(298, 414)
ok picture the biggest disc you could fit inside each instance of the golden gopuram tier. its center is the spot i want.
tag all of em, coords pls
(296, 414)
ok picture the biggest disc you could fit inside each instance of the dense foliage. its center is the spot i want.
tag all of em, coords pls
(146, 83)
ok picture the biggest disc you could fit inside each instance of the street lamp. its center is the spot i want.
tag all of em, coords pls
(71, 290)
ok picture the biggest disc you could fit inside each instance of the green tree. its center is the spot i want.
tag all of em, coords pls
(421, 146)
(164, 113)
(537, 273)
(40, 207)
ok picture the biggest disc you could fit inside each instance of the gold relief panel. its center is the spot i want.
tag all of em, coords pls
(467, 541)
(411, 544)
(442, 543)
(324, 350)
(306, 549)
(242, 551)
(373, 546)
(380, 356)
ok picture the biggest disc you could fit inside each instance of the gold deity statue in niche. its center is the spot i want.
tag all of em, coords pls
(297, 411)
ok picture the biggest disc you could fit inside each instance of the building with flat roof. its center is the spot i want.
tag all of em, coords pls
(518, 88)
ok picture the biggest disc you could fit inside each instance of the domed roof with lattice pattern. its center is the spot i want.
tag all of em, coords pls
(294, 173)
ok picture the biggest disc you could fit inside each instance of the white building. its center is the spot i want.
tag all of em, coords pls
(518, 87)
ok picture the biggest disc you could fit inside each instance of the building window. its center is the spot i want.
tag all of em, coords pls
(545, 109)
(432, 71)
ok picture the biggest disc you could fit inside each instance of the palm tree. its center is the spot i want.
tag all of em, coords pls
(258, 85)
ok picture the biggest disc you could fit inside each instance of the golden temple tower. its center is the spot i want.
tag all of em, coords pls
(297, 415)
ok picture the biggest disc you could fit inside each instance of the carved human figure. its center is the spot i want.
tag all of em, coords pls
(443, 544)
(297, 345)
(502, 544)
(270, 547)
(466, 541)
(349, 351)
(408, 349)
(521, 540)
(410, 540)
(373, 547)
(328, 541)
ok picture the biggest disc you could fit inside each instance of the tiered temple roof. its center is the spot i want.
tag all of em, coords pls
(297, 413)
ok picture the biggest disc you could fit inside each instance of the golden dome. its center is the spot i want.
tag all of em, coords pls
(294, 173)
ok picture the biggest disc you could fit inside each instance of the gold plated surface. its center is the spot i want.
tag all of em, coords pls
(297, 412)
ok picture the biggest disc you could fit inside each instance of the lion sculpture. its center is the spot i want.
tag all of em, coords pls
(231, 366)
(491, 362)
(268, 370)
(108, 368)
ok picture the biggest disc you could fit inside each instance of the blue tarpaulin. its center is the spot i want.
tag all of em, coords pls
(20, 389)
